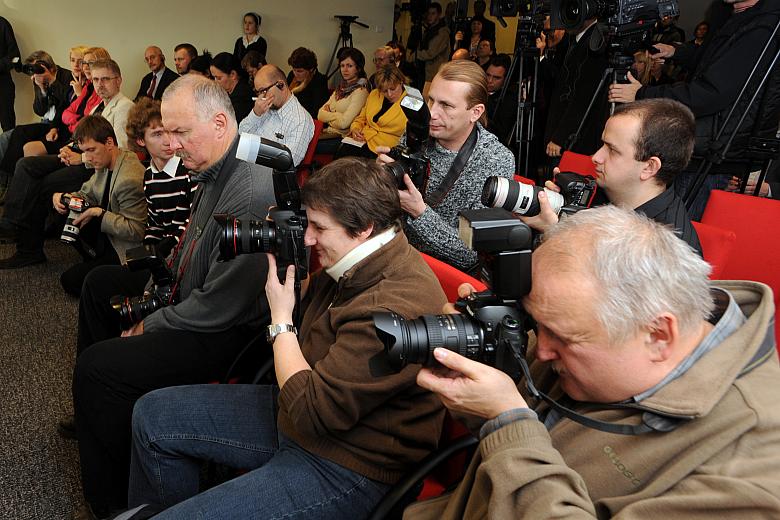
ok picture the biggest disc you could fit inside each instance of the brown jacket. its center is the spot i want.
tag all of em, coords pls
(725, 462)
(378, 427)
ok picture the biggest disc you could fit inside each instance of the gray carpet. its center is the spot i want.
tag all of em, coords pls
(39, 470)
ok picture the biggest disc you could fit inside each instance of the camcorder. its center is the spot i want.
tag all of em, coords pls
(29, 69)
(283, 233)
(412, 159)
(531, 16)
(133, 309)
(492, 327)
(76, 205)
(577, 193)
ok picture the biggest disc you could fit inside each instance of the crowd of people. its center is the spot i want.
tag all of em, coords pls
(648, 389)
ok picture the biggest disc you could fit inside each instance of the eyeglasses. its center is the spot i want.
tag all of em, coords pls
(90, 63)
(103, 79)
(384, 58)
(263, 91)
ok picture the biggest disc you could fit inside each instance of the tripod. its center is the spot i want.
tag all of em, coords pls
(344, 39)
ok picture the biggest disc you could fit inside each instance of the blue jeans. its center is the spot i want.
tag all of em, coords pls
(235, 425)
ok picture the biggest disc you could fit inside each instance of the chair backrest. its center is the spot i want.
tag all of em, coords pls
(451, 278)
(524, 180)
(305, 168)
(716, 245)
(577, 163)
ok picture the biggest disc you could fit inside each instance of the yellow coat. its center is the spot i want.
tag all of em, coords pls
(390, 127)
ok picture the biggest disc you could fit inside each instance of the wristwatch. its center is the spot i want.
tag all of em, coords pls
(278, 328)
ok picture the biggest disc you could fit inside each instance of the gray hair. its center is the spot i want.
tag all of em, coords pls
(641, 268)
(208, 97)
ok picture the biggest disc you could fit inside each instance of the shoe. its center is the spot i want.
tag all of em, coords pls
(83, 512)
(67, 427)
(22, 260)
(8, 234)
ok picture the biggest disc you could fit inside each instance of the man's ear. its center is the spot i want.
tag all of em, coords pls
(220, 121)
(141, 143)
(366, 233)
(476, 112)
(663, 336)
(651, 168)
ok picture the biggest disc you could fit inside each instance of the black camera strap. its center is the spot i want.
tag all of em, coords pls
(456, 169)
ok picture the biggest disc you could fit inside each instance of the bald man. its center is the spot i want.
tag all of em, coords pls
(460, 54)
(154, 84)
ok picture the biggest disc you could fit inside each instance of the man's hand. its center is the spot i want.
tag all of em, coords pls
(136, 330)
(262, 105)
(546, 217)
(411, 199)
(281, 297)
(624, 92)
(52, 135)
(553, 150)
(382, 157)
(459, 36)
(59, 207)
(357, 135)
(664, 51)
(750, 188)
(468, 387)
(69, 157)
(87, 215)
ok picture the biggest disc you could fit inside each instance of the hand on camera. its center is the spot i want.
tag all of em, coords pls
(624, 92)
(281, 297)
(59, 207)
(411, 199)
(546, 217)
(136, 330)
(664, 50)
(382, 157)
(468, 387)
(87, 215)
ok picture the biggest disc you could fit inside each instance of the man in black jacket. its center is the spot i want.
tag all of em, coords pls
(154, 84)
(8, 51)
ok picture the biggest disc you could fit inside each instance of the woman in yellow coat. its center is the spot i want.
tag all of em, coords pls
(382, 121)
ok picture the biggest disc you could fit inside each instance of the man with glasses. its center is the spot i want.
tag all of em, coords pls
(383, 57)
(277, 115)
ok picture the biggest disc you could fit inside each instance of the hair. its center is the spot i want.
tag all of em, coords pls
(389, 76)
(643, 56)
(190, 48)
(202, 63)
(302, 58)
(227, 63)
(42, 57)
(208, 98)
(500, 60)
(141, 116)
(254, 59)
(397, 48)
(704, 22)
(357, 193)
(640, 269)
(96, 128)
(386, 49)
(435, 5)
(109, 64)
(258, 20)
(277, 74)
(357, 57)
(667, 130)
(100, 53)
(477, 20)
(469, 72)
(79, 49)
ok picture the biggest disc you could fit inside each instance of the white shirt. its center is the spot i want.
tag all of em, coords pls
(290, 125)
(348, 261)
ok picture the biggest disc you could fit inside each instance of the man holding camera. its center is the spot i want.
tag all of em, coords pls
(218, 306)
(646, 146)
(462, 156)
(634, 340)
(331, 440)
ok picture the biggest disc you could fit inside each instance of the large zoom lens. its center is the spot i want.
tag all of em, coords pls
(135, 309)
(413, 341)
(253, 236)
(517, 197)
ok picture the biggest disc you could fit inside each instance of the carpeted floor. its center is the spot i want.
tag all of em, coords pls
(39, 470)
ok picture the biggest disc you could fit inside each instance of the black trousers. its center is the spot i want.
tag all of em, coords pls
(22, 135)
(73, 278)
(7, 97)
(109, 378)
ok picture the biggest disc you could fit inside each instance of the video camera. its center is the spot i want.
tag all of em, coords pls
(412, 159)
(531, 13)
(577, 193)
(133, 309)
(283, 234)
(492, 327)
(28, 68)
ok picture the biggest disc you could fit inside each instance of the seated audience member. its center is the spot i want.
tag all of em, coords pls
(635, 338)
(183, 54)
(485, 51)
(36, 178)
(154, 84)
(53, 94)
(227, 71)
(457, 100)
(700, 34)
(460, 54)
(346, 102)
(501, 116)
(382, 121)
(251, 39)
(647, 144)
(383, 57)
(202, 65)
(251, 63)
(308, 84)
(219, 306)
(76, 57)
(277, 115)
(332, 439)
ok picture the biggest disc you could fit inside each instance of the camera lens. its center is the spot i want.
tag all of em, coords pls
(70, 233)
(517, 197)
(396, 169)
(253, 236)
(133, 310)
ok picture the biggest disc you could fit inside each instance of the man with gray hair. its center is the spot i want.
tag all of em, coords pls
(218, 307)
(658, 389)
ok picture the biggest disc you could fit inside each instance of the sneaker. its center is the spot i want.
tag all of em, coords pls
(66, 427)
(22, 260)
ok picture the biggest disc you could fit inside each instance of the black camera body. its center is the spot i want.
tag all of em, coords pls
(412, 159)
(413, 163)
(133, 309)
(28, 68)
(76, 205)
(579, 192)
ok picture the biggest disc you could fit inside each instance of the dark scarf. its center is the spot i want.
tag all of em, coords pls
(345, 89)
(429, 34)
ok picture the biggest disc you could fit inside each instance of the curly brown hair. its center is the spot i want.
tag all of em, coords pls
(144, 113)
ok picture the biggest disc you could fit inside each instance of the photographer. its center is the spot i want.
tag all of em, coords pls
(721, 69)
(462, 155)
(634, 338)
(646, 146)
(218, 307)
(331, 440)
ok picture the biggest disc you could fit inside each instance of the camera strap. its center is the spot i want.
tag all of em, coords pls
(456, 169)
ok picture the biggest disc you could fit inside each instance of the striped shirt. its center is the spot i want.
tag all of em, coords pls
(168, 196)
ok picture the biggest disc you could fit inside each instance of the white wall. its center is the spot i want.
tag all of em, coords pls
(127, 28)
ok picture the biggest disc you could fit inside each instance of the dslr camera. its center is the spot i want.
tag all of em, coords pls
(412, 159)
(577, 193)
(134, 309)
(76, 205)
(283, 234)
(492, 327)
(28, 68)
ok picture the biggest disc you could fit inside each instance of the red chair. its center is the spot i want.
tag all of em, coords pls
(451, 278)
(716, 245)
(306, 167)
(756, 253)
(577, 163)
